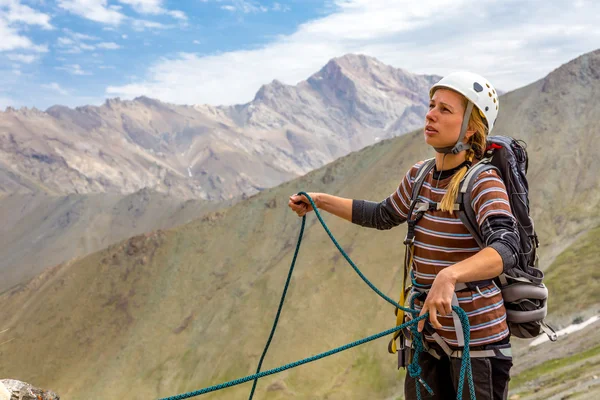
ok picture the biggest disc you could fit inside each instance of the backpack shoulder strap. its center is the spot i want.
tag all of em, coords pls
(422, 172)
(466, 212)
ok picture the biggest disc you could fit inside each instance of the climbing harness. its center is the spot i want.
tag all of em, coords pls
(414, 369)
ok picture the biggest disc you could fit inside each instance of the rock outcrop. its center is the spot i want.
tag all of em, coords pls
(11, 389)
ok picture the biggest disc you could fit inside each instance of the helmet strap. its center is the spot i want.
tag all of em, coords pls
(460, 145)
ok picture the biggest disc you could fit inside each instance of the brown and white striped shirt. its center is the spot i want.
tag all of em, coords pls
(442, 240)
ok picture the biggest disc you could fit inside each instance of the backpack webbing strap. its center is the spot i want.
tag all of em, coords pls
(467, 214)
(457, 324)
(422, 172)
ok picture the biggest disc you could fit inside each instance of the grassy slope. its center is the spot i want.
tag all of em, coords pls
(573, 279)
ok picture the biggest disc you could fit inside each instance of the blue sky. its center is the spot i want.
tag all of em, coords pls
(77, 52)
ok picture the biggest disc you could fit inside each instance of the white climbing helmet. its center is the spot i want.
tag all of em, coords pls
(475, 88)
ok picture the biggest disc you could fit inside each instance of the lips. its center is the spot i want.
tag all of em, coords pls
(430, 130)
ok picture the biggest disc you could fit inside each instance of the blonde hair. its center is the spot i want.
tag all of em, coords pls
(477, 141)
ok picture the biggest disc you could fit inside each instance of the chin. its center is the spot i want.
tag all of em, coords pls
(434, 141)
(431, 140)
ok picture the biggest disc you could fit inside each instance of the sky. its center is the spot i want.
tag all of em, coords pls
(219, 52)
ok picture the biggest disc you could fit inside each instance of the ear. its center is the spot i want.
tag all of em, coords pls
(468, 134)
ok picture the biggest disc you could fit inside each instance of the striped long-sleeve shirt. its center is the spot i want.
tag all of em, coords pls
(442, 240)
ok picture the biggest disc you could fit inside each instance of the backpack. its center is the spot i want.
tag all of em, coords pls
(525, 296)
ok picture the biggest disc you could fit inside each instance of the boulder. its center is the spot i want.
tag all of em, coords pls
(11, 389)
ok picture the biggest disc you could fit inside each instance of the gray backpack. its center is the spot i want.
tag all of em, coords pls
(525, 296)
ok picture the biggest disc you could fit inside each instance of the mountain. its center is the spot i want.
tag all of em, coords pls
(181, 309)
(40, 231)
(210, 152)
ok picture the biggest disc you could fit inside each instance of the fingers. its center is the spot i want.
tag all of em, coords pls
(299, 204)
(433, 317)
(447, 308)
(297, 199)
(432, 308)
(421, 324)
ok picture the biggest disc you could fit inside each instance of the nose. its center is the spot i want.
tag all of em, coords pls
(431, 115)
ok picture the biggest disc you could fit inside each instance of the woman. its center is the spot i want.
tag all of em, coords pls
(462, 112)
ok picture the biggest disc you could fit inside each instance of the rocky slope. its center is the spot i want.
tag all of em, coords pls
(40, 231)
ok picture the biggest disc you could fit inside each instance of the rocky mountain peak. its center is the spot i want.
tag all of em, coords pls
(149, 102)
(269, 90)
(583, 70)
(23, 111)
(109, 103)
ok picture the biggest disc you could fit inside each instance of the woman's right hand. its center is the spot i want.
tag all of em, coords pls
(300, 204)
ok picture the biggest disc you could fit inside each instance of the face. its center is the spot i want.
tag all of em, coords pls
(444, 119)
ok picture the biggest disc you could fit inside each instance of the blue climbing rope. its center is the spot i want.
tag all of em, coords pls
(287, 283)
(414, 369)
(294, 364)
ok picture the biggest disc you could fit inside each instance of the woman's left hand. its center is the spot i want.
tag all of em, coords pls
(439, 299)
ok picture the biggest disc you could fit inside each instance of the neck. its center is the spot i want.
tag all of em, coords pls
(449, 161)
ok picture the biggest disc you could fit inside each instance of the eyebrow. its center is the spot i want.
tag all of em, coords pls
(445, 104)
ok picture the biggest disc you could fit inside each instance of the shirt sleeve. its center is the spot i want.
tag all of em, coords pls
(390, 212)
(497, 224)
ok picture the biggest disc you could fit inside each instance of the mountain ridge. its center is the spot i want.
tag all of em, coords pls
(209, 152)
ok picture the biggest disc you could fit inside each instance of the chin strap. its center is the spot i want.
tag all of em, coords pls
(460, 145)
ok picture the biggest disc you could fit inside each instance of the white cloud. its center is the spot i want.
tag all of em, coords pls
(108, 46)
(244, 6)
(280, 7)
(145, 6)
(95, 10)
(177, 14)
(13, 17)
(65, 41)
(81, 36)
(154, 7)
(73, 69)
(75, 43)
(18, 12)
(141, 25)
(249, 6)
(84, 46)
(112, 15)
(23, 58)
(56, 87)
(510, 42)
